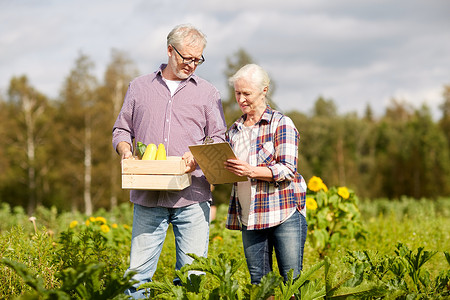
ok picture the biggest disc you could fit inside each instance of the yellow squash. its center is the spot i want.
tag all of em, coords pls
(150, 152)
(161, 152)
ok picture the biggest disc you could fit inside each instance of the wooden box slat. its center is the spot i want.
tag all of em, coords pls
(155, 174)
(173, 165)
(156, 182)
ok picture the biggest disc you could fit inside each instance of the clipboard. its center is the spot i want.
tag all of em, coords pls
(210, 158)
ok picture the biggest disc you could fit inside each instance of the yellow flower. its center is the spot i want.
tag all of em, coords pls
(315, 184)
(87, 222)
(311, 204)
(92, 219)
(101, 219)
(73, 224)
(104, 228)
(217, 238)
(114, 225)
(343, 192)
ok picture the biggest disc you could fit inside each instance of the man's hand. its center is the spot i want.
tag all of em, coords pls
(191, 164)
(124, 150)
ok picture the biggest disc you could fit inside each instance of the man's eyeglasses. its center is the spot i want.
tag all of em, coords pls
(187, 61)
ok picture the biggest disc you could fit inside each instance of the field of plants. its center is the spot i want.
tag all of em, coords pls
(356, 249)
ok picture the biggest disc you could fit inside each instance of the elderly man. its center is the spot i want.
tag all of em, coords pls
(175, 107)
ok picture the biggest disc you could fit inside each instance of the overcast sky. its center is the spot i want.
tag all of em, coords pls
(351, 51)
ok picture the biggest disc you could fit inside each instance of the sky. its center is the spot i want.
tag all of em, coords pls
(355, 53)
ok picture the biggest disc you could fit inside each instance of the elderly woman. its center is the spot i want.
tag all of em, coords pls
(269, 207)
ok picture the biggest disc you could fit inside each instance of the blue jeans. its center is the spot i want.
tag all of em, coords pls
(288, 239)
(190, 227)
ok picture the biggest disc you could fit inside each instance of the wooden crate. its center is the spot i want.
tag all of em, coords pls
(155, 174)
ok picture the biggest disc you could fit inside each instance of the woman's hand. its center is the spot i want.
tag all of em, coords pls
(242, 168)
(239, 167)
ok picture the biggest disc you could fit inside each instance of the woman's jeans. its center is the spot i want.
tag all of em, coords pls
(288, 240)
(190, 227)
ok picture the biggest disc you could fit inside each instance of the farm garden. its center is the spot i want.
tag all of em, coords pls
(356, 249)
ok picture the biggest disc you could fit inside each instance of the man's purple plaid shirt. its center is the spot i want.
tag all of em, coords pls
(150, 114)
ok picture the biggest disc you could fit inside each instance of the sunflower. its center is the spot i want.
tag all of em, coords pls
(315, 184)
(73, 224)
(105, 228)
(100, 219)
(343, 192)
(311, 204)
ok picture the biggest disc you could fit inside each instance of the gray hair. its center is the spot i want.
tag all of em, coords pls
(186, 34)
(254, 73)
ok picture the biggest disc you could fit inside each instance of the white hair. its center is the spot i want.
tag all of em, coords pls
(254, 73)
(186, 34)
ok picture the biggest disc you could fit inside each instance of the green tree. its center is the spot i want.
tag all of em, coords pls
(354, 153)
(432, 162)
(27, 132)
(340, 149)
(361, 134)
(318, 139)
(392, 149)
(3, 130)
(77, 112)
(444, 122)
(411, 153)
(368, 114)
(234, 63)
(118, 74)
(324, 108)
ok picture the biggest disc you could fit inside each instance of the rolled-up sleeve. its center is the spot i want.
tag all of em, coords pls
(286, 151)
(123, 127)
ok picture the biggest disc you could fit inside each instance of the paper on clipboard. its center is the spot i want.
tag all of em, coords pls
(210, 158)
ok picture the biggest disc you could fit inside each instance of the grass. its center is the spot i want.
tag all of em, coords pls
(415, 223)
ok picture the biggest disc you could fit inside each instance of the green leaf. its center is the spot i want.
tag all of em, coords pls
(31, 279)
(321, 238)
(312, 290)
(266, 287)
(141, 148)
(292, 286)
(447, 256)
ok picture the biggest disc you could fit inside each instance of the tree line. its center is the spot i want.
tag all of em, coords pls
(58, 152)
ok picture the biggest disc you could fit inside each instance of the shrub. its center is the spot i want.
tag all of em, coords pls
(332, 216)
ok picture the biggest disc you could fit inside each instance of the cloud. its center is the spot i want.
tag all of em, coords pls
(353, 52)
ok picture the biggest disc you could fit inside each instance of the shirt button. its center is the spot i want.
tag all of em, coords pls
(165, 140)
(167, 120)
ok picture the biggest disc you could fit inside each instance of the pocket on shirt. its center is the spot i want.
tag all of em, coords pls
(266, 153)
